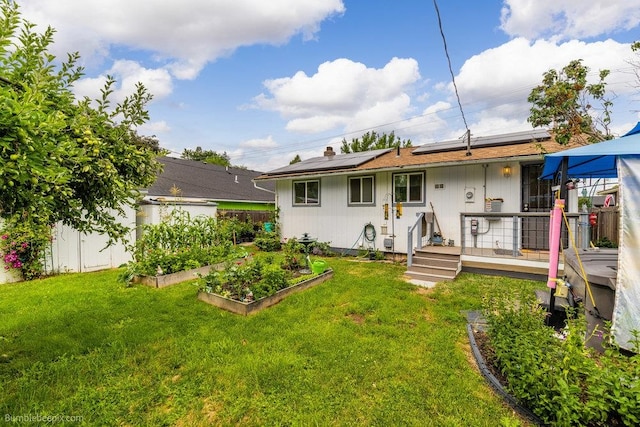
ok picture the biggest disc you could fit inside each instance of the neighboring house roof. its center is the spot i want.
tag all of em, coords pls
(531, 144)
(211, 182)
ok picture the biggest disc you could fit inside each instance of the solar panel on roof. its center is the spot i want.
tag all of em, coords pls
(484, 141)
(339, 161)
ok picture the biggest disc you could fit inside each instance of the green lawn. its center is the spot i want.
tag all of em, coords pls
(365, 348)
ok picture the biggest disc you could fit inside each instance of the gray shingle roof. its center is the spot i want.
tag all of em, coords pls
(206, 181)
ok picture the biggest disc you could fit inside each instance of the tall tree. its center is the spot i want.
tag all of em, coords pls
(296, 159)
(151, 142)
(207, 156)
(79, 162)
(565, 102)
(373, 141)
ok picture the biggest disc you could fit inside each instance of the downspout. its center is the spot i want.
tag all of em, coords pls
(263, 189)
(484, 185)
(275, 200)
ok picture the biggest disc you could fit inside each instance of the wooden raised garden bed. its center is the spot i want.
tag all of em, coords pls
(245, 308)
(164, 280)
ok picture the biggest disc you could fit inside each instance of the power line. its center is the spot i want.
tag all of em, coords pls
(446, 52)
(312, 143)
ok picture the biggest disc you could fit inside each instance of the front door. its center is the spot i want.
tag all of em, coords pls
(536, 197)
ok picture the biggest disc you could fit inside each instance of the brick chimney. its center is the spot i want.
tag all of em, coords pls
(329, 152)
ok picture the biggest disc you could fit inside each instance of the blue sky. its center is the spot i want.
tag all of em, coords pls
(266, 80)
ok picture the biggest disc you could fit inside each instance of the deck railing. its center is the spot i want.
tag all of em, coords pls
(522, 235)
(517, 235)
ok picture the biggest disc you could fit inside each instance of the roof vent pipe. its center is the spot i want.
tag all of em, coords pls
(398, 151)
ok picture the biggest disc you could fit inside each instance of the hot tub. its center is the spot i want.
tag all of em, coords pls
(601, 269)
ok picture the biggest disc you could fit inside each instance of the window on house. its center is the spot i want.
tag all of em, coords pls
(361, 190)
(306, 193)
(409, 187)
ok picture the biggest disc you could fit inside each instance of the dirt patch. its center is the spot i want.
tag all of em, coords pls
(488, 355)
(358, 319)
(421, 290)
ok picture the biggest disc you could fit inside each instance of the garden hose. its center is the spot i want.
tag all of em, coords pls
(368, 233)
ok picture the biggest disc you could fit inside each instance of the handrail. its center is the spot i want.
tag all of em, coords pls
(417, 224)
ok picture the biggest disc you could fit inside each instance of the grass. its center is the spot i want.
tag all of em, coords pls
(365, 348)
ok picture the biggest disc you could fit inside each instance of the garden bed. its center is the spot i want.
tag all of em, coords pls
(483, 356)
(245, 308)
(164, 280)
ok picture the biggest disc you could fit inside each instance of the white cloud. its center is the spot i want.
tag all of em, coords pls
(567, 19)
(425, 127)
(127, 74)
(154, 128)
(186, 34)
(494, 85)
(267, 142)
(274, 161)
(342, 93)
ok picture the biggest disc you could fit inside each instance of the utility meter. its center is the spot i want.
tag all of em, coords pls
(474, 226)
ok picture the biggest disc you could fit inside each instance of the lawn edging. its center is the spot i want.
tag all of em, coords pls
(246, 308)
(495, 383)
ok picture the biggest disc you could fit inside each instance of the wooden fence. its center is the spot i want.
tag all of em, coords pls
(608, 224)
(242, 215)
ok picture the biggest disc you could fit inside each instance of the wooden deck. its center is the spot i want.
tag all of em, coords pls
(528, 264)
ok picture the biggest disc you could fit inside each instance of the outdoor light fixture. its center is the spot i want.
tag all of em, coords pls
(506, 171)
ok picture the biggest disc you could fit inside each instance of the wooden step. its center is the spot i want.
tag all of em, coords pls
(432, 273)
(435, 270)
(436, 262)
(425, 253)
(428, 277)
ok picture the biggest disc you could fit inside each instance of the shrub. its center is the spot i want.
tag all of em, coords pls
(293, 255)
(560, 379)
(321, 248)
(267, 241)
(604, 242)
(233, 229)
(23, 244)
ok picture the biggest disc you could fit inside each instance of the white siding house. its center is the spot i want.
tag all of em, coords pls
(333, 197)
(341, 223)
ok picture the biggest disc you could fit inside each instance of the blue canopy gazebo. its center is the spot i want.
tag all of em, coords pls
(594, 160)
(619, 158)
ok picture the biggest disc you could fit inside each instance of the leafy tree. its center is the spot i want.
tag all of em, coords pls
(152, 142)
(373, 141)
(207, 156)
(565, 103)
(79, 162)
(296, 159)
(635, 63)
